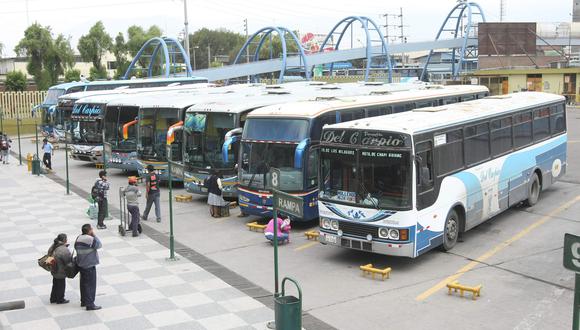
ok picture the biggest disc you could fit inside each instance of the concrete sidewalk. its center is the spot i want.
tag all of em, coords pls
(137, 287)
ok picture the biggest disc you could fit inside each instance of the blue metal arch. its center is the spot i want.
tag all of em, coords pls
(266, 32)
(169, 46)
(365, 21)
(473, 9)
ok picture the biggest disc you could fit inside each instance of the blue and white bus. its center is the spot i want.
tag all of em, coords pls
(212, 130)
(404, 184)
(160, 112)
(287, 136)
(51, 116)
(87, 119)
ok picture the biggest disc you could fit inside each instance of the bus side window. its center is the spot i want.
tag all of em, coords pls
(557, 119)
(424, 162)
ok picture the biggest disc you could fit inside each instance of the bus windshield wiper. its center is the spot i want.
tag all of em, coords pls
(368, 196)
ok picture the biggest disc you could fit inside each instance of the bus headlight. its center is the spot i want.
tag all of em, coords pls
(334, 225)
(384, 233)
(394, 234)
(325, 223)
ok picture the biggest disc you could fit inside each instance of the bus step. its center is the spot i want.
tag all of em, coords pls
(312, 235)
(255, 226)
(368, 269)
(455, 286)
(183, 198)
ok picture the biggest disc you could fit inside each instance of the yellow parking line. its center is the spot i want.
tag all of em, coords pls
(495, 250)
(305, 246)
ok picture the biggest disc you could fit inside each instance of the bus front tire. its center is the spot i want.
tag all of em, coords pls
(451, 230)
(534, 191)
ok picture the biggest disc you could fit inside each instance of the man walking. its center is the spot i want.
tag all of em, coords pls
(48, 153)
(99, 193)
(153, 193)
(4, 148)
(132, 195)
(87, 259)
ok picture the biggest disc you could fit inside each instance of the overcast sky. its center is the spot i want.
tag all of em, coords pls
(422, 17)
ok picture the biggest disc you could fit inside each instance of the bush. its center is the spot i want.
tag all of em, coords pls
(72, 75)
(16, 81)
(96, 74)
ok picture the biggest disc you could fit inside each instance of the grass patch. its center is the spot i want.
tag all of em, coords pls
(26, 127)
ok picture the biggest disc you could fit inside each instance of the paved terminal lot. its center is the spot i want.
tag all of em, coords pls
(517, 257)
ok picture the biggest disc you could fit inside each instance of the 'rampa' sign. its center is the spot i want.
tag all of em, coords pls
(86, 110)
(375, 139)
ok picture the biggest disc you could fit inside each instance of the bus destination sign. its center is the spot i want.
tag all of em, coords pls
(366, 138)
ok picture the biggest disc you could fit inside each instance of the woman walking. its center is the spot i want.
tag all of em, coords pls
(214, 198)
(62, 256)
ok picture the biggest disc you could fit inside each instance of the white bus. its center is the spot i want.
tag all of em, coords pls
(287, 136)
(406, 183)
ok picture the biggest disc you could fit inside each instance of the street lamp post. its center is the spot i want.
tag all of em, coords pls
(66, 137)
(194, 64)
(36, 139)
(19, 143)
(2, 120)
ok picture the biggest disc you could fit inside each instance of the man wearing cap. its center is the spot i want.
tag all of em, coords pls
(153, 193)
(48, 153)
(132, 195)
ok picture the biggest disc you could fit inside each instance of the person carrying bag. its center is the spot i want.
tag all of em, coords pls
(61, 258)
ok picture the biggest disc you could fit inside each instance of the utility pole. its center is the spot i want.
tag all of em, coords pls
(186, 39)
(208, 57)
(402, 37)
(247, 48)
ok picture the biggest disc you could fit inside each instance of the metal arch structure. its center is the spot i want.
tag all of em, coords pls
(368, 25)
(459, 31)
(171, 49)
(282, 32)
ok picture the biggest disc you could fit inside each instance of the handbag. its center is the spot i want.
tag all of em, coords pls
(46, 262)
(71, 269)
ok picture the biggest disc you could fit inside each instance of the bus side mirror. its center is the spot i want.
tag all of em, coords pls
(227, 145)
(299, 153)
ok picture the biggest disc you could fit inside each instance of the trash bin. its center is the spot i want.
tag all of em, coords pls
(35, 165)
(288, 309)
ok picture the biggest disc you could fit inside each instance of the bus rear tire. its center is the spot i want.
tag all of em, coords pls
(534, 191)
(451, 230)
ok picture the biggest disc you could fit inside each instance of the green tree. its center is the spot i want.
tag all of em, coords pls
(93, 46)
(47, 57)
(72, 75)
(119, 49)
(220, 42)
(138, 36)
(15, 81)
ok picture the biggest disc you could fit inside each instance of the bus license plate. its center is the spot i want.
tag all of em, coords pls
(330, 239)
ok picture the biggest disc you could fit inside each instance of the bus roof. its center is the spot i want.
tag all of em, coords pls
(433, 118)
(185, 98)
(317, 107)
(144, 80)
(295, 91)
(67, 85)
(130, 91)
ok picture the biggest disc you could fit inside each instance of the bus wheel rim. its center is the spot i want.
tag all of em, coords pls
(451, 229)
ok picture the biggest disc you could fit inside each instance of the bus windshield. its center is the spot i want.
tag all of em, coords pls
(204, 137)
(115, 118)
(52, 96)
(87, 132)
(258, 158)
(370, 178)
(153, 126)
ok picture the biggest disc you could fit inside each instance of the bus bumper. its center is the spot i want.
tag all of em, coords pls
(127, 162)
(161, 171)
(392, 249)
(87, 157)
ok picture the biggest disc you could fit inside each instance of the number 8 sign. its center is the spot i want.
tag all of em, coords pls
(275, 178)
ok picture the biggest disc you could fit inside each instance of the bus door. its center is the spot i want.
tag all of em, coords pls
(424, 172)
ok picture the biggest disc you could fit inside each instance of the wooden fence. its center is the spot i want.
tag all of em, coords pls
(19, 104)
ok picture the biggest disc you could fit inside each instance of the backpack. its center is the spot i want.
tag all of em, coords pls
(97, 193)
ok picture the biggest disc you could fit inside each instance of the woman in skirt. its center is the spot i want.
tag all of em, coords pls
(215, 198)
